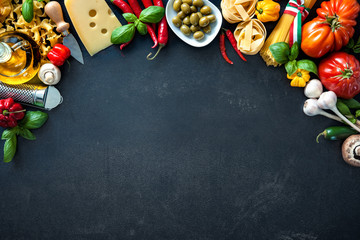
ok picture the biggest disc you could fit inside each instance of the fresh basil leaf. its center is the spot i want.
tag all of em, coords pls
(351, 43)
(142, 28)
(356, 49)
(353, 120)
(10, 148)
(27, 10)
(343, 108)
(351, 103)
(8, 133)
(291, 67)
(152, 14)
(307, 65)
(130, 17)
(357, 113)
(294, 51)
(280, 52)
(33, 119)
(123, 34)
(27, 134)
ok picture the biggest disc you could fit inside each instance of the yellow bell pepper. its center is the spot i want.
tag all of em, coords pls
(299, 78)
(267, 10)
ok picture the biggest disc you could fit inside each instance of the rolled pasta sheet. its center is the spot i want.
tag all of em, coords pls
(250, 36)
(235, 11)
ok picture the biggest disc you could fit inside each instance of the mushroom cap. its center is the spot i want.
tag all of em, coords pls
(351, 150)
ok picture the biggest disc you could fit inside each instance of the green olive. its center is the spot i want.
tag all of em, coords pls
(199, 35)
(186, 20)
(185, 8)
(205, 10)
(203, 22)
(207, 29)
(176, 21)
(193, 9)
(211, 18)
(176, 5)
(194, 28)
(200, 15)
(194, 19)
(198, 3)
(185, 30)
(181, 15)
(187, 1)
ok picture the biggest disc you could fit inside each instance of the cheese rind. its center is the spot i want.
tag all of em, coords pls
(93, 21)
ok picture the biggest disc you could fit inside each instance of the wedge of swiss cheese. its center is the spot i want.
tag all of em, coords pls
(93, 21)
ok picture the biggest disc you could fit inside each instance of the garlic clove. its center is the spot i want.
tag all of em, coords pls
(313, 89)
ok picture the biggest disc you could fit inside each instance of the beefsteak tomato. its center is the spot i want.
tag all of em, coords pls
(331, 29)
(340, 73)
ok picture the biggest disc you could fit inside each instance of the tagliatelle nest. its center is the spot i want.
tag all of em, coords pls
(41, 28)
(250, 36)
(235, 11)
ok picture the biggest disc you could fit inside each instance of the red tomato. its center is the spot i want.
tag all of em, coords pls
(340, 73)
(331, 29)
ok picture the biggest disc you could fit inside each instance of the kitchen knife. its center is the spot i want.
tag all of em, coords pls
(54, 11)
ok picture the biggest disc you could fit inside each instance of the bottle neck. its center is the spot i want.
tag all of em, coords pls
(5, 52)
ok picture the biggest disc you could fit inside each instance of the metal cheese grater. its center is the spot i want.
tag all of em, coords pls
(36, 95)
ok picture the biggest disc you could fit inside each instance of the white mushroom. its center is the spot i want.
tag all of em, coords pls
(351, 150)
(49, 74)
(327, 100)
(313, 89)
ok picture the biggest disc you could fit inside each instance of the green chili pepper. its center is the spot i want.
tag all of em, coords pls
(336, 133)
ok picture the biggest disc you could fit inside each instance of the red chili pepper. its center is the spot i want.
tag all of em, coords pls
(125, 8)
(59, 54)
(163, 34)
(10, 113)
(137, 10)
(232, 40)
(223, 49)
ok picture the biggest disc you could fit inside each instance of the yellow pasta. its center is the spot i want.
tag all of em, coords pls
(250, 36)
(280, 34)
(41, 28)
(235, 11)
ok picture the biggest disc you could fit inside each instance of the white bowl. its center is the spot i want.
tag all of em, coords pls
(215, 26)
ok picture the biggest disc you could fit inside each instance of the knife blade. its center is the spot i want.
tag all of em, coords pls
(54, 11)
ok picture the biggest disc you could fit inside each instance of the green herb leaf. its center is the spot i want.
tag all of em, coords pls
(10, 148)
(33, 119)
(8, 133)
(152, 14)
(142, 29)
(357, 113)
(130, 17)
(351, 43)
(27, 10)
(123, 34)
(280, 52)
(294, 51)
(343, 109)
(27, 134)
(353, 120)
(291, 67)
(307, 65)
(351, 103)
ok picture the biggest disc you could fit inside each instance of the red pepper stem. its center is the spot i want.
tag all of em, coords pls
(5, 112)
(152, 58)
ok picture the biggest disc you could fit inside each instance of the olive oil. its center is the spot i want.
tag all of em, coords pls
(19, 58)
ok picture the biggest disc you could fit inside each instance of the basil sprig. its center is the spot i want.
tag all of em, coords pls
(32, 120)
(27, 10)
(125, 33)
(283, 54)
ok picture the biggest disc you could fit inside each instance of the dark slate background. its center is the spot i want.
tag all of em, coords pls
(186, 147)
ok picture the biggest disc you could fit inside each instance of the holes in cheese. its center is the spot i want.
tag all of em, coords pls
(93, 21)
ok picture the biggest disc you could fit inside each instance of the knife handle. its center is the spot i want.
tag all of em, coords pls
(54, 11)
